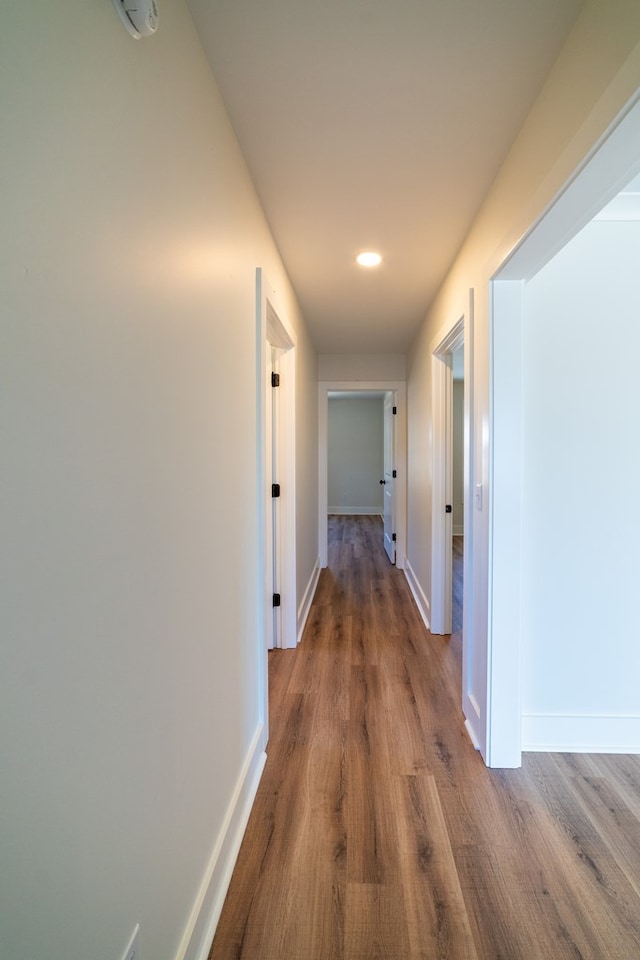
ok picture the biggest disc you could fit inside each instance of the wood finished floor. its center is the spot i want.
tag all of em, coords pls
(458, 583)
(379, 834)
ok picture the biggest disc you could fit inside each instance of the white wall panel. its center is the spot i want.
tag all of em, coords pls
(581, 461)
(129, 240)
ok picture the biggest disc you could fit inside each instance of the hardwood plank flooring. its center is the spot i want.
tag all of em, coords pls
(379, 834)
(458, 583)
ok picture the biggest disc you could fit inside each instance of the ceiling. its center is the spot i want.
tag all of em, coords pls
(371, 124)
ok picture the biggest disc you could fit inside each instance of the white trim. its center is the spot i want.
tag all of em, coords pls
(355, 511)
(207, 906)
(580, 734)
(400, 389)
(459, 330)
(419, 595)
(441, 552)
(474, 724)
(287, 468)
(606, 169)
(505, 526)
(272, 329)
(472, 734)
(307, 600)
(611, 163)
(444, 344)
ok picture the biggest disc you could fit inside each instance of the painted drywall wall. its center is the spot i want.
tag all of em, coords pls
(129, 679)
(595, 76)
(457, 479)
(361, 366)
(581, 458)
(355, 462)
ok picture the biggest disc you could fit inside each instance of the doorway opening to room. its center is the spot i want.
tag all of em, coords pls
(457, 491)
(361, 471)
(362, 459)
(275, 489)
(452, 373)
(453, 489)
(575, 271)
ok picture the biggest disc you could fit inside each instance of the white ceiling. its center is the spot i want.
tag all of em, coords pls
(376, 124)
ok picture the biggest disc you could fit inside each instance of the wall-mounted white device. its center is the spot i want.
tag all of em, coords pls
(140, 17)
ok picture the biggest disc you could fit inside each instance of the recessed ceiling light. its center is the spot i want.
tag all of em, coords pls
(369, 259)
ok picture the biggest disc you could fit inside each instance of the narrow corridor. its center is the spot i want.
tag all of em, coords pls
(378, 832)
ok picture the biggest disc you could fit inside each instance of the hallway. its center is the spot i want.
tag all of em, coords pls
(378, 832)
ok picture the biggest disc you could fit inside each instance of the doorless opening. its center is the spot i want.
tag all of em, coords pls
(275, 346)
(611, 165)
(398, 388)
(454, 337)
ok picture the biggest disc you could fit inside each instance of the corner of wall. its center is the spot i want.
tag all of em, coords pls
(205, 913)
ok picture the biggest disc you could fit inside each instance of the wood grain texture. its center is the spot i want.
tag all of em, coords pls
(378, 832)
(458, 583)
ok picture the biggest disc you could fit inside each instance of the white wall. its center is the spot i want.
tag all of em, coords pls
(596, 74)
(129, 678)
(581, 460)
(361, 366)
(355, 461)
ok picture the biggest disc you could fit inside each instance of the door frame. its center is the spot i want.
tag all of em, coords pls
(399, 387)
(442, 485)
(458, 332)
(608, 167)
(273, 329)
(389, 401)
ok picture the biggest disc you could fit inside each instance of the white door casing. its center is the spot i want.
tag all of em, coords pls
(274, 466)
(445, 344)
(460, 332)
(389, 488)
(608, 168)
(273, 331)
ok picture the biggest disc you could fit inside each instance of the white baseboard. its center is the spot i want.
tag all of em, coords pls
(550, 733)
(207, 907)
(418, 594)
(355, 511)
(307, 600)
(472, 734)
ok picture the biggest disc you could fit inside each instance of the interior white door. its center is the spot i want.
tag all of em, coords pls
(389, 480)
(268, 515)
(273, 493)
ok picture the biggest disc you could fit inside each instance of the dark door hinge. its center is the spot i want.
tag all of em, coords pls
(276, 599)
(394, 410)
(393, 537)
(275, 379)
(448, 508)
(275, 489)
(394, 473)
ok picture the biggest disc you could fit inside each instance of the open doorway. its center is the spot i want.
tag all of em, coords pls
(275, 354)
(355, 452)
(395, 391)
(452, 469)
(457, 490)
(456, 340)
(574, 271)
(361, 458)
